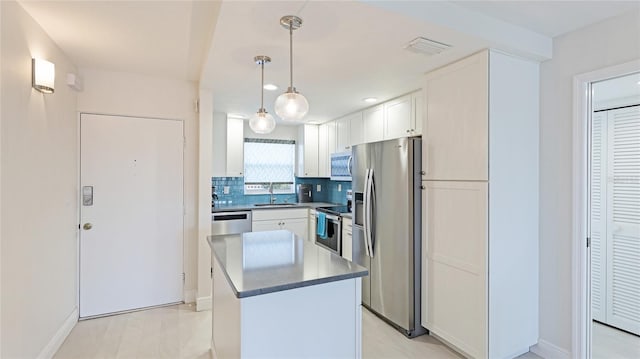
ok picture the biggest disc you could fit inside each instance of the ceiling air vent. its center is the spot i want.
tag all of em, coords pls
(422, 45)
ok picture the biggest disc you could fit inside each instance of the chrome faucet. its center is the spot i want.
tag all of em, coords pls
(273, 198)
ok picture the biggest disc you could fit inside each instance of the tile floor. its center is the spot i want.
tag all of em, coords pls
(610, 343)
(181, 332)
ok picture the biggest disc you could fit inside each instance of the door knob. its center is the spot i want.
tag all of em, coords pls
(87, 226)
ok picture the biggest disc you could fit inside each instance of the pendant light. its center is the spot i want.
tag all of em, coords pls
(262, 122)
(291, 106)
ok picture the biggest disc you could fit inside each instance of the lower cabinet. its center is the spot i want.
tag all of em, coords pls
(312, 225)
(347, 239)
(294, 220)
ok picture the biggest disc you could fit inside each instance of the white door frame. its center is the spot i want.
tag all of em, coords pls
(581, 261)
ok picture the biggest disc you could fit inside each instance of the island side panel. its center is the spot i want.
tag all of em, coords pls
(316, 321)
(225, 338)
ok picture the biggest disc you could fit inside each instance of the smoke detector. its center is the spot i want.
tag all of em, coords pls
(422, 45)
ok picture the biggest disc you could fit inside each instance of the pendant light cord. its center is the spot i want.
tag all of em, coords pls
(262, 86)
(291, 54)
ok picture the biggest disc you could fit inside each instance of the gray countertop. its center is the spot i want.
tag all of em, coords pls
(249, 207)
(256, 263)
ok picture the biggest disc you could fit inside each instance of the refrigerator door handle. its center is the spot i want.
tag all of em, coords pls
(372, 208)
(366, 218)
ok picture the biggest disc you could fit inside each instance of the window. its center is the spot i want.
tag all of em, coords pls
(268, 163)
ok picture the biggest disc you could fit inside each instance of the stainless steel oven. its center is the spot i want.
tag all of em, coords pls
(333, 238)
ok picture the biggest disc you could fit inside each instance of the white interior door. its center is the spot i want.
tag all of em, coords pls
(623, 217)
(132, 256)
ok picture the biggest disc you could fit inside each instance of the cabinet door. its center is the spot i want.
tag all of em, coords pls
(312, 225)
(235, 147)
(347, 239)
(455, 217)
(259, 226)
(331, 141)
(397, 118)
(309, 149)
(373, 124)
(417, 114)
(343, 135)
(324, 157)
(355, 129)
(455, 145)
(297, 226)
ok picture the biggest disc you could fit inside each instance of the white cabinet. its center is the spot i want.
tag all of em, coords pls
(295, 220)
(455, 140)
(324, 158)
(347, 239)
(480, 205)
(456, 267)
(228, 146)
(356, 136)
(417, 99)
(312, 225)
(235, 147)
(398, 118)
(307, 151)
(326, 146)
(373, 124)
(349, 131)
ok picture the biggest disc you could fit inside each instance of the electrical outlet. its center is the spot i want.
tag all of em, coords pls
(318, 188)
(225, 190)
(339, 187)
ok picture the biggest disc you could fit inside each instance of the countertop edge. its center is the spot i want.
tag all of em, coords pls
(308, 283)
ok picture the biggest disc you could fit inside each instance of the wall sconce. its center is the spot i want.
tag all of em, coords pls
(43, 75)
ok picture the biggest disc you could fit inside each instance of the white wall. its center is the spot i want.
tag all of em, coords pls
(609, 43)
(137, 95)
(39, 192)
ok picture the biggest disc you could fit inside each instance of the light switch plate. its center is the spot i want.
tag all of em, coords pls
(339, 187)
(318, 188)
(225, 190)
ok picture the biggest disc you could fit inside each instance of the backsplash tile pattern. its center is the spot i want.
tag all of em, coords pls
(329, 191)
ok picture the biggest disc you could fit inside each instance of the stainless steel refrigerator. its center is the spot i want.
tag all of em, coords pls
(387, 229)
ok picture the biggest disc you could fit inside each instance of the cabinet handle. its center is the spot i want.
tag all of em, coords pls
(422, 187)
(408, 131)
(423, 173)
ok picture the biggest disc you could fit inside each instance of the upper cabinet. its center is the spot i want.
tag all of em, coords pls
(308, 151)
(228, 146)
(398, 118)
(373, 124)
(235, 147)
(348, 131)
(455, 141)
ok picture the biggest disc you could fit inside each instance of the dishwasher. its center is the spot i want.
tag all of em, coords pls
(230, 222)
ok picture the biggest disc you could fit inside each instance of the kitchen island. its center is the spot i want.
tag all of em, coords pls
(277, 295)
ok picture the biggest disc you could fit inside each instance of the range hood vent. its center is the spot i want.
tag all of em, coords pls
(422, 45)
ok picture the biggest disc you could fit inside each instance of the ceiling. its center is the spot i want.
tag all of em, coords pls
(158, 38)
(344, 51)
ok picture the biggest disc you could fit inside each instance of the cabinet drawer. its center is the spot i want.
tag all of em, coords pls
(275, 214)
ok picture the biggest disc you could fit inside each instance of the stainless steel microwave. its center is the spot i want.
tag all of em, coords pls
(341, 166)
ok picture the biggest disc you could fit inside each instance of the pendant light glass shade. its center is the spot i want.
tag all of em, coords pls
(291, 106)
(262, 122)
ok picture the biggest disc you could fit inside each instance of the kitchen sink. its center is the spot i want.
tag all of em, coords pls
(274, 204)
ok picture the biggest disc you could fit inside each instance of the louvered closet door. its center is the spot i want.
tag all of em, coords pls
(623, 219)
(598, 216)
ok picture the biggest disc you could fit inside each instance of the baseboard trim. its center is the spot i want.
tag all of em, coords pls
(190, 296)
(203, 303)
(63, 332)
(549, 351)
